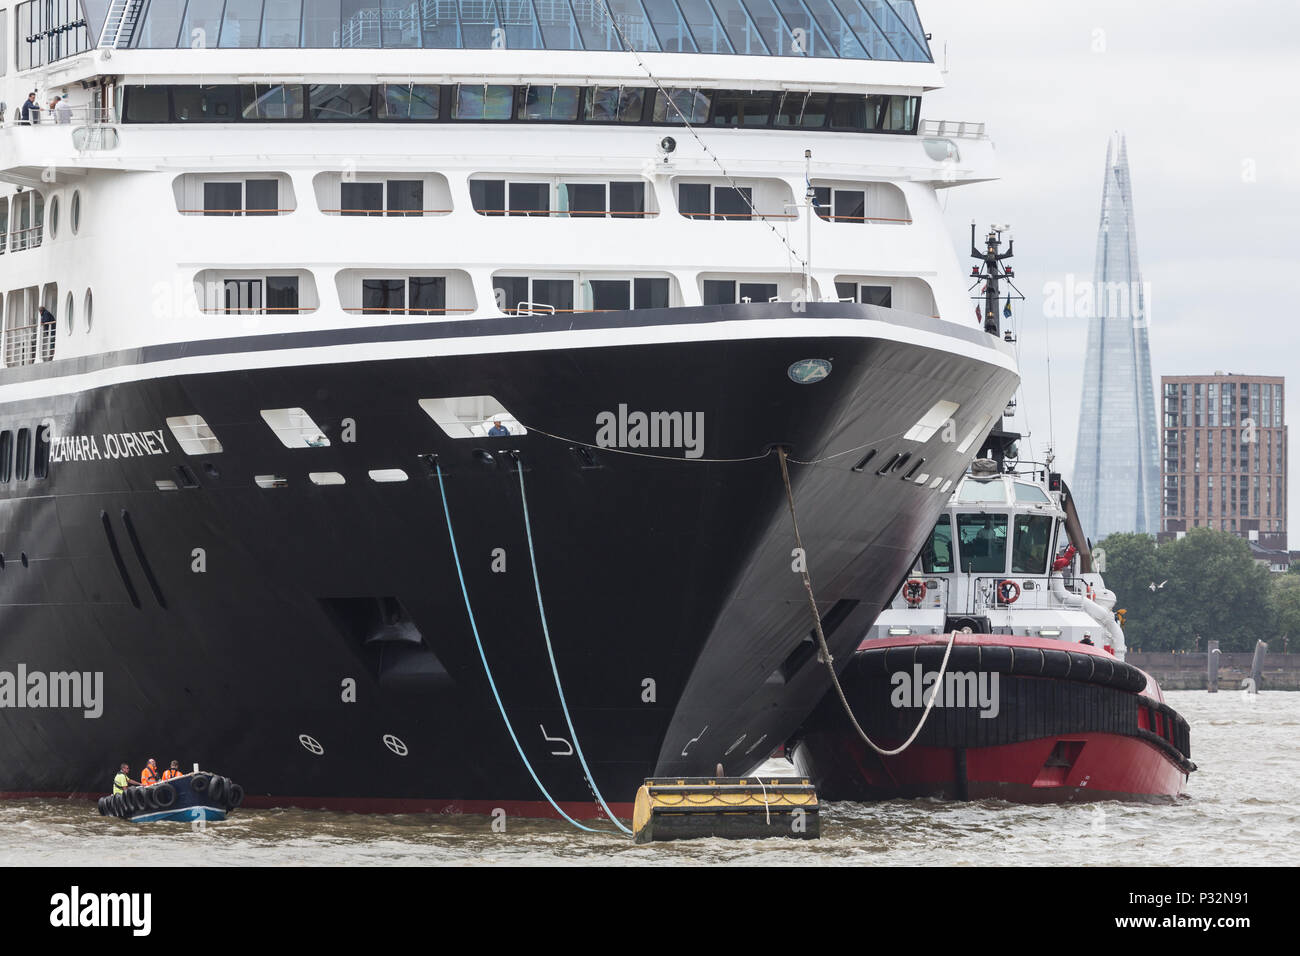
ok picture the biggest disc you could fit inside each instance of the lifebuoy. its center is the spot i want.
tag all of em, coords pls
(914, 592)
(164, 795)
(1008, 591)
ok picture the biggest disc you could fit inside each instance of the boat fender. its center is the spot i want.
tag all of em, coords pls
(164, 795)
(119, 805)
(200, 783)
(235, 795)
(1008, 591)
(135, 799)
(103, 810)
(914, 592)
(217, 790)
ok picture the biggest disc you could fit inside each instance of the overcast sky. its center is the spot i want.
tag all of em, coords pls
(1208, 94)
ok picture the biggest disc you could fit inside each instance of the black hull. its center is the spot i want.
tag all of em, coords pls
(651, 568)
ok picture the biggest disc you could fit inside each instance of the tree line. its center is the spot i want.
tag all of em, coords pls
(1201, 587)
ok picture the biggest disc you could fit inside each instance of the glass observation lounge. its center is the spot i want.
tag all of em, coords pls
(848, 29)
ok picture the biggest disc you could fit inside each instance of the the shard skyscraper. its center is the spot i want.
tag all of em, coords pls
(1116, 464)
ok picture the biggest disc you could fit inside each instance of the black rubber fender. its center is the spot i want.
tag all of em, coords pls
(151, 796)
(235, 796)
(164, 796)
(217, 790)
(103, 806)
(200, 783)
(118, 805)
(995, 658)
(1056, 663)
(1081, 666)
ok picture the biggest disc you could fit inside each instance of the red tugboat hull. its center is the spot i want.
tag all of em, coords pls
(1056, 724)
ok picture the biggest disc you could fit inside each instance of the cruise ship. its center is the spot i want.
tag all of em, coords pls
(476, 505)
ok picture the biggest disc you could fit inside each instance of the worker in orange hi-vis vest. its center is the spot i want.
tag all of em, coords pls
(149, 775)
(173, 771)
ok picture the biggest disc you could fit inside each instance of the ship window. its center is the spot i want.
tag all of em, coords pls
(362, 199)
(705, 201)
(6, 456)
(428, 295)
(326, 478)
(242, 296)
(851, 205)
(282, 295)
(193, 435)
(694, 200)
(881, 295)
(89, 299)
(682, 106)
(22, 467)
(261, 197)
(414, 101)
(556, 293)
(588, 200)
(470, 416)
(614, 104)
(166, 484)
(43, 451)
(206, 104)
(280, 24)
(983, 542)
(1029, 551)
(146, 104)
(936, 556)
(736, 108)
(804, 110)
(1031, 493)
(68, 312)
(405, 197)
(525, 295)
(530, 199)
(988, 492)
(348, 103)
(488, 196)
(650, 293)
(294, 428)
(719, 292)
(388, 474)
(383, 296)
(483, 102)
(611, 294)
(277, 102)
(53, 217)
(222, 199)
(271, 481)
(555, 103)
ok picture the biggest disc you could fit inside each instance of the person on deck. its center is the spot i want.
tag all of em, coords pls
(149, 775)
(123, 779)
(31, 113)
(498, 430)
(173, 771)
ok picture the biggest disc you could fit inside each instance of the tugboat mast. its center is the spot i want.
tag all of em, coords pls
(992, 272)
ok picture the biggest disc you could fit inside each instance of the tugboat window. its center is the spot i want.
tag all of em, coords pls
(983, 543)
(1029, 553)
(936, 556)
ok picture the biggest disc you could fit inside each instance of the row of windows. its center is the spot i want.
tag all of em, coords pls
(16, 459)
(553, 196)
(361, 103)
(48, 30)
(854, 29)
(982, 544)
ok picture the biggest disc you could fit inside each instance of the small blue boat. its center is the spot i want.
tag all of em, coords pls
(193, 796)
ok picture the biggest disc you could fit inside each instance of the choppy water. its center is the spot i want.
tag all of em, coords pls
(1241, 808)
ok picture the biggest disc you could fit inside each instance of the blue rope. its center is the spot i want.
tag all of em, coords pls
(550, 651)
(488, 670)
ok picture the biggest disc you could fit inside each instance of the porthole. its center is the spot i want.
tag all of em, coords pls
(88, 310)
(75, 215)
(67, 314)
(54, 217)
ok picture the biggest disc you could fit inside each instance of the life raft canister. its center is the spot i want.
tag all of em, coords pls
(914, 592)
(1008, 591)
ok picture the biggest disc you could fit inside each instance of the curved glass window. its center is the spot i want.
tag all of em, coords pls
(1031, 493)
(989, 492)
(1029, 552)
(983, 542)
(936, 556)
(848, 29)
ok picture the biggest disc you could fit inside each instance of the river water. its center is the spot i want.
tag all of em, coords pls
(1242, 807)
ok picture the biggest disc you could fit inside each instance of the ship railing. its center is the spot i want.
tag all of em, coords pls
(235, 212)
(401, 310)
(392, 213)
(827, 217)
(741, 215)
(558, 213)
(29, 344)
(958, 128)
(68, 116)
(260, 310)
(1035, 592)
(28, 238)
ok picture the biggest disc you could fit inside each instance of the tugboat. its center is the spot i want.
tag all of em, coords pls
(192, 796)
(1007, 625)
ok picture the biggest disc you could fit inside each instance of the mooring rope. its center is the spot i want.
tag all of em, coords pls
(451, 534)
(826, 652)
(550, 652)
